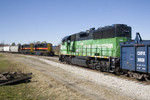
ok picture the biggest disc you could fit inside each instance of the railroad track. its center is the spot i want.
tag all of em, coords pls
(56, 59)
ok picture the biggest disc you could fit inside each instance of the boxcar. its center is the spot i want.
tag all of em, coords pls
(1, 49)
(6, 48)
(14, 49)
(135, 58)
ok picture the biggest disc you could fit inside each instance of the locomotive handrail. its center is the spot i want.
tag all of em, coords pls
(93, 51)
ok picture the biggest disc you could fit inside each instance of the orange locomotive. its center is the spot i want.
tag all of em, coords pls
(37, 49)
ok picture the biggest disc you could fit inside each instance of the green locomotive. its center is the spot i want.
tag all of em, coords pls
(98, 49)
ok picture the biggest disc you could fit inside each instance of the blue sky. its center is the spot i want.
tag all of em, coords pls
(25, 21)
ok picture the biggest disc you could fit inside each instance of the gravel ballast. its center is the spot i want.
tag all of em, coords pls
(125, 87)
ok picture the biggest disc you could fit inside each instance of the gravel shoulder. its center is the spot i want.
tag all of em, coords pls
(84, 83)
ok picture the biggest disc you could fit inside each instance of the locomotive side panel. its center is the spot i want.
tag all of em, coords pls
(104, 41)
(128, 58)
(141, 59)
(100, 47)
(43, 49)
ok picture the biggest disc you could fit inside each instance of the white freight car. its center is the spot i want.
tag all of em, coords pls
(1, 49)
(6, 48)
(14, 49)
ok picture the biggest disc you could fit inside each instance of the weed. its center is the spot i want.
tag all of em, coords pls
(21, 91)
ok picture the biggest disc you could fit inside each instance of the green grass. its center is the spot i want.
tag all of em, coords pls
(16, 92)
(1, 55)
(8, 66)
(4, 64)
(21, 91)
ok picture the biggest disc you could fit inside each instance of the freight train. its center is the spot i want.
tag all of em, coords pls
(108, 49)
(36, 49)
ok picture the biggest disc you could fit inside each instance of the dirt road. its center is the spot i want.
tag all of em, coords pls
(67, 84)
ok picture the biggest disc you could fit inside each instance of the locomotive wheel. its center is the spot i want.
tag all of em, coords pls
(61, 58)
(147, 77)
(107, 66)
(117, 71)
(97, 67)
(93, 64)
(140, 77)
(102, 65)
(68, 60)
(101, 69)
(130, 74)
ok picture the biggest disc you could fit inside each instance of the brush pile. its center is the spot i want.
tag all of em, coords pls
(8, 78)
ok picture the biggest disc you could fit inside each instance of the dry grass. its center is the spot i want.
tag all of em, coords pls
(42, 86)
